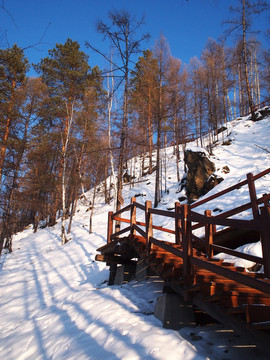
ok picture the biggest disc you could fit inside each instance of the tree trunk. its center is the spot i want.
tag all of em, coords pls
(65, 139)
(110, 103)
(157, 183)
(92, 211)
(250, 102)
(3, 147)
(150, 131)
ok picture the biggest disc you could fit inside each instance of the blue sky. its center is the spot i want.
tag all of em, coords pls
(187, 25)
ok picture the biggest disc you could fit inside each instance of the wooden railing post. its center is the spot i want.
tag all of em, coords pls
(110, 227)
(187, 244)
(253, 196)
(265, 238)
(178, 234)
(209, 236)
(133, 216)
(148, 225)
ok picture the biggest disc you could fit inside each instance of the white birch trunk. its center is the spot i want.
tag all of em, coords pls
(110, 103)
(63, 184)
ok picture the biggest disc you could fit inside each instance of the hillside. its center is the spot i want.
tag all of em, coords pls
(55, 301)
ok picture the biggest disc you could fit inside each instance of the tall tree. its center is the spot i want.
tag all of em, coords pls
(245, 15)
(66, 73)
(163, 56)
(144, 93)
(13, 68)
(121, 33)
(16, 210)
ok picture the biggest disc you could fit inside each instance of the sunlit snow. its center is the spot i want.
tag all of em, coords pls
(55, 302)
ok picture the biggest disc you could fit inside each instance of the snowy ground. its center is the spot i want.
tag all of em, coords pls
(56, 304)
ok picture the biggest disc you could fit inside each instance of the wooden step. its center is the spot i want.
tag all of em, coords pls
(256, 313)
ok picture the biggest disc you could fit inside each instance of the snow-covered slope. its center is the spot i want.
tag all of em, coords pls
(55, 302)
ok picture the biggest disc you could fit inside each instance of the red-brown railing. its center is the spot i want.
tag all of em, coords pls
(184, 216)
(257, 106)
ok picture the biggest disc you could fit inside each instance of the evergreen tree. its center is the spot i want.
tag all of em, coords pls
(13, 68)
(66, 73)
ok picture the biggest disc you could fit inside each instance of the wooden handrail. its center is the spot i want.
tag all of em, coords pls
(140, 206)
(126, 208)
(118, 233)
(242, 224)
(116, 218)
(161, 228)
(229, 189)
(249, 257)
(184, 216)
(255, 107)
(165, 213)
(140, 231)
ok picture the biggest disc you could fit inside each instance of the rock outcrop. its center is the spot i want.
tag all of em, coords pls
(200, 174)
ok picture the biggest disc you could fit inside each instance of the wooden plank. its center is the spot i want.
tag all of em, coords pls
(233, 275)
(228, 251)
(265, 238)
(253, 196)
(132, 216)
(121, 211)
(116, 218)
(245, 224)
(166, 213)
(209, 235)
(118, 233)
(113, 259)
(240, 299)
(257, 313)
(187, 243)
(243, 207)
(140, 231)
(218, 313)
(109, 227)
(148, 225)
(234, 211)
(223, 192)
(140, 206)
(111, 246)
(165, 246)
(231, 188)
(161, 228)
(177, 224)
(261, 174)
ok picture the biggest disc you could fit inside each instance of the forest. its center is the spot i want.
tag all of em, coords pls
(73, 127)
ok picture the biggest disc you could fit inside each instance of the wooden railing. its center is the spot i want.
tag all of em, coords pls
(186, 220)
(257, 106)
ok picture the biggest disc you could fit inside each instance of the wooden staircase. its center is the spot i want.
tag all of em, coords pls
(232, 295)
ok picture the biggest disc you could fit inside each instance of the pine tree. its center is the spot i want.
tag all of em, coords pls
(66, 73)
(13, 68)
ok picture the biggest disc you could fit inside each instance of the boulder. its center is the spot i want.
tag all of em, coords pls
(200, 175)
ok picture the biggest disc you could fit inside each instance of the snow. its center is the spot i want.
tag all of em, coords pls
(55, 301)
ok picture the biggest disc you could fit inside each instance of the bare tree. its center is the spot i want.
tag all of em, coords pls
(246, 12)
(122, 35)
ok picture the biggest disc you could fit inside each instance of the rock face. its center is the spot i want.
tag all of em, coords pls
(200, 178)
